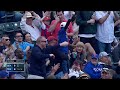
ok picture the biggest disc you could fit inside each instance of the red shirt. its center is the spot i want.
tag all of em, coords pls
(57, 28)
(45, 32)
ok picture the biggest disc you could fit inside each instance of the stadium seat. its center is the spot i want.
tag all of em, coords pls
(16, 26)
(9, 27)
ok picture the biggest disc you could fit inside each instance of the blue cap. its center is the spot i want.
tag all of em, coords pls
(96, 56)
(3, 74)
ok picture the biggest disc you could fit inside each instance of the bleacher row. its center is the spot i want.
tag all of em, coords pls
(10, 28)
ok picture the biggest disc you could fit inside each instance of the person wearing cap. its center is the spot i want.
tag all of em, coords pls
(59, 56)
(92, 68)
(55, 25)
(34, 27)
(45, 32)
(105, 60)
(106, 73)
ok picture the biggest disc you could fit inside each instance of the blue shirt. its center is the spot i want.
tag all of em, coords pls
(61, 38)
(23, 46)
(93, 70)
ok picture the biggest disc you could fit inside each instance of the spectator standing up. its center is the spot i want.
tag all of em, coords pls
(55, 25)
(19, 43)
(45, 32)
(105, 29)
(32, 26)
(93, 69)
(38, 58)
(87, 28)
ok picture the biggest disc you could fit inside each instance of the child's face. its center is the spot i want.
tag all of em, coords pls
(79, 49)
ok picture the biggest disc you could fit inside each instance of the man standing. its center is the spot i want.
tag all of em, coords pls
(55, 25)
(105, 29)
(87, 28)
(32, 26)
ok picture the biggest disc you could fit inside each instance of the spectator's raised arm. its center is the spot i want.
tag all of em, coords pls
(53, 24)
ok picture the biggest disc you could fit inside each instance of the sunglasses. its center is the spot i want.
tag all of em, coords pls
(7, 39)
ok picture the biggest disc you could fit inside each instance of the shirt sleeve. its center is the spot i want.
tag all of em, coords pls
(70, 28)
(23, 24)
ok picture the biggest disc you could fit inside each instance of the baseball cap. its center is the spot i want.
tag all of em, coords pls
(50, 38)
(95, 56)
(105, 70)
(102, 54)
(46, 18)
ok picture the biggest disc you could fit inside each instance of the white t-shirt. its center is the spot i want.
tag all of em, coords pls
(105, 31)
(72, 72)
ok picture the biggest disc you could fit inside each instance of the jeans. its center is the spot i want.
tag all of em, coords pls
(59, 75)
(65, 66)
(106, 47)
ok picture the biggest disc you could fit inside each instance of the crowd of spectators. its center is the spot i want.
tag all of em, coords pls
(62, 45)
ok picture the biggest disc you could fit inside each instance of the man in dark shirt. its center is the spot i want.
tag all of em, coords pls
(38, 58)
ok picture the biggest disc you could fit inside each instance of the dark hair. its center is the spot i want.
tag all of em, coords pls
(17, 33)
(27, 33)
(59, 11)
(17, 51)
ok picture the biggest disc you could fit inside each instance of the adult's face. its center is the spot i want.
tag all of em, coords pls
(47, 22)
(105, 59)
(105, 75)
(43, 42)
(19, 37)
(20, 54)
(79, 49)
(29, 21)
(53, 43)
(60, 15)
(27, 37)
(6, 41)
(94, 61)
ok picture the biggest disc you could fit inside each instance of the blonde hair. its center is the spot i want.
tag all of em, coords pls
(80, 44)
